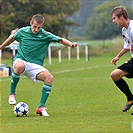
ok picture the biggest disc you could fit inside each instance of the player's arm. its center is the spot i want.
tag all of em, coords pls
(68, 43)
(8, 41)
(121, 53)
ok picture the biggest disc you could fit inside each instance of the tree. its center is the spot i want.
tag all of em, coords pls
(85, 11)
(17, 13)
(100, 25)
(0, 18)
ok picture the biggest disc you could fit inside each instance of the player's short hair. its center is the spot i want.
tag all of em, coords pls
(120, 11)
(39, 18)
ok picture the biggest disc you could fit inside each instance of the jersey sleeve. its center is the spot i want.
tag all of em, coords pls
(126, 45)
(55, 38)
(16, 36)
(51, 37)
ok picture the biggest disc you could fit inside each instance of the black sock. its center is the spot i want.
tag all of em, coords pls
(122, 85)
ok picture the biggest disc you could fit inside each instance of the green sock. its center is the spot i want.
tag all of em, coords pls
(14, 81)
(45, 93)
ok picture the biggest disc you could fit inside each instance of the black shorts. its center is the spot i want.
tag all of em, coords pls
(127, 67)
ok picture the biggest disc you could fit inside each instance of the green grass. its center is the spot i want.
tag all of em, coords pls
(84, 99)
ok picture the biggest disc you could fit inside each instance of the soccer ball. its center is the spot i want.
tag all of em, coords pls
(21, 109)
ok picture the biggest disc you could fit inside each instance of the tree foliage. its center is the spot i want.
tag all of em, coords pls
(0, 18)
(100, 25)
(85, 11)
(17, 13)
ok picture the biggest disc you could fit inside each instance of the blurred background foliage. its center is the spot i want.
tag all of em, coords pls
(17, 13)
(79, 19)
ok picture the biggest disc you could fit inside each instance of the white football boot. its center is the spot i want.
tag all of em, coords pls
(11, 99)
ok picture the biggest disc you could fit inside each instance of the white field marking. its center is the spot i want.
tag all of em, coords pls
(65, 71)
(79, 69)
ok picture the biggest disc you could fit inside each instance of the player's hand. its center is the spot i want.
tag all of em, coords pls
(114, 60)
(74, 44)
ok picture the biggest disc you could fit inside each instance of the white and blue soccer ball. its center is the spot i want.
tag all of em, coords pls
(21, 109)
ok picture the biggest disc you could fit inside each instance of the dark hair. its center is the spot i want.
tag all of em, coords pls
(120, 11)
(39, 18)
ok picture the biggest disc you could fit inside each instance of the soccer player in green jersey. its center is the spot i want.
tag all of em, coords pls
(33, 45)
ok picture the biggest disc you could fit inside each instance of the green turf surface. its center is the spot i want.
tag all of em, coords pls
(84, 99)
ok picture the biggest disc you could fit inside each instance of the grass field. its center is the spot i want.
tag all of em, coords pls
(84, 99)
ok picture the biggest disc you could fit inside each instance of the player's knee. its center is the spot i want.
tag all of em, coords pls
(19, 67)
(49, 79)
(115, 76)
(112, 75)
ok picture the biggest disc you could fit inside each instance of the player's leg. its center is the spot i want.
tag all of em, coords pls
(116, 76)
(46, 89)
(18, 69)
(38, 73)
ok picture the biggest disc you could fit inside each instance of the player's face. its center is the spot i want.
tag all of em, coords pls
(117, 21)
(35, 26)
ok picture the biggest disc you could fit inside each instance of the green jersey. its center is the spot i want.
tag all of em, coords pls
(33, 47)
